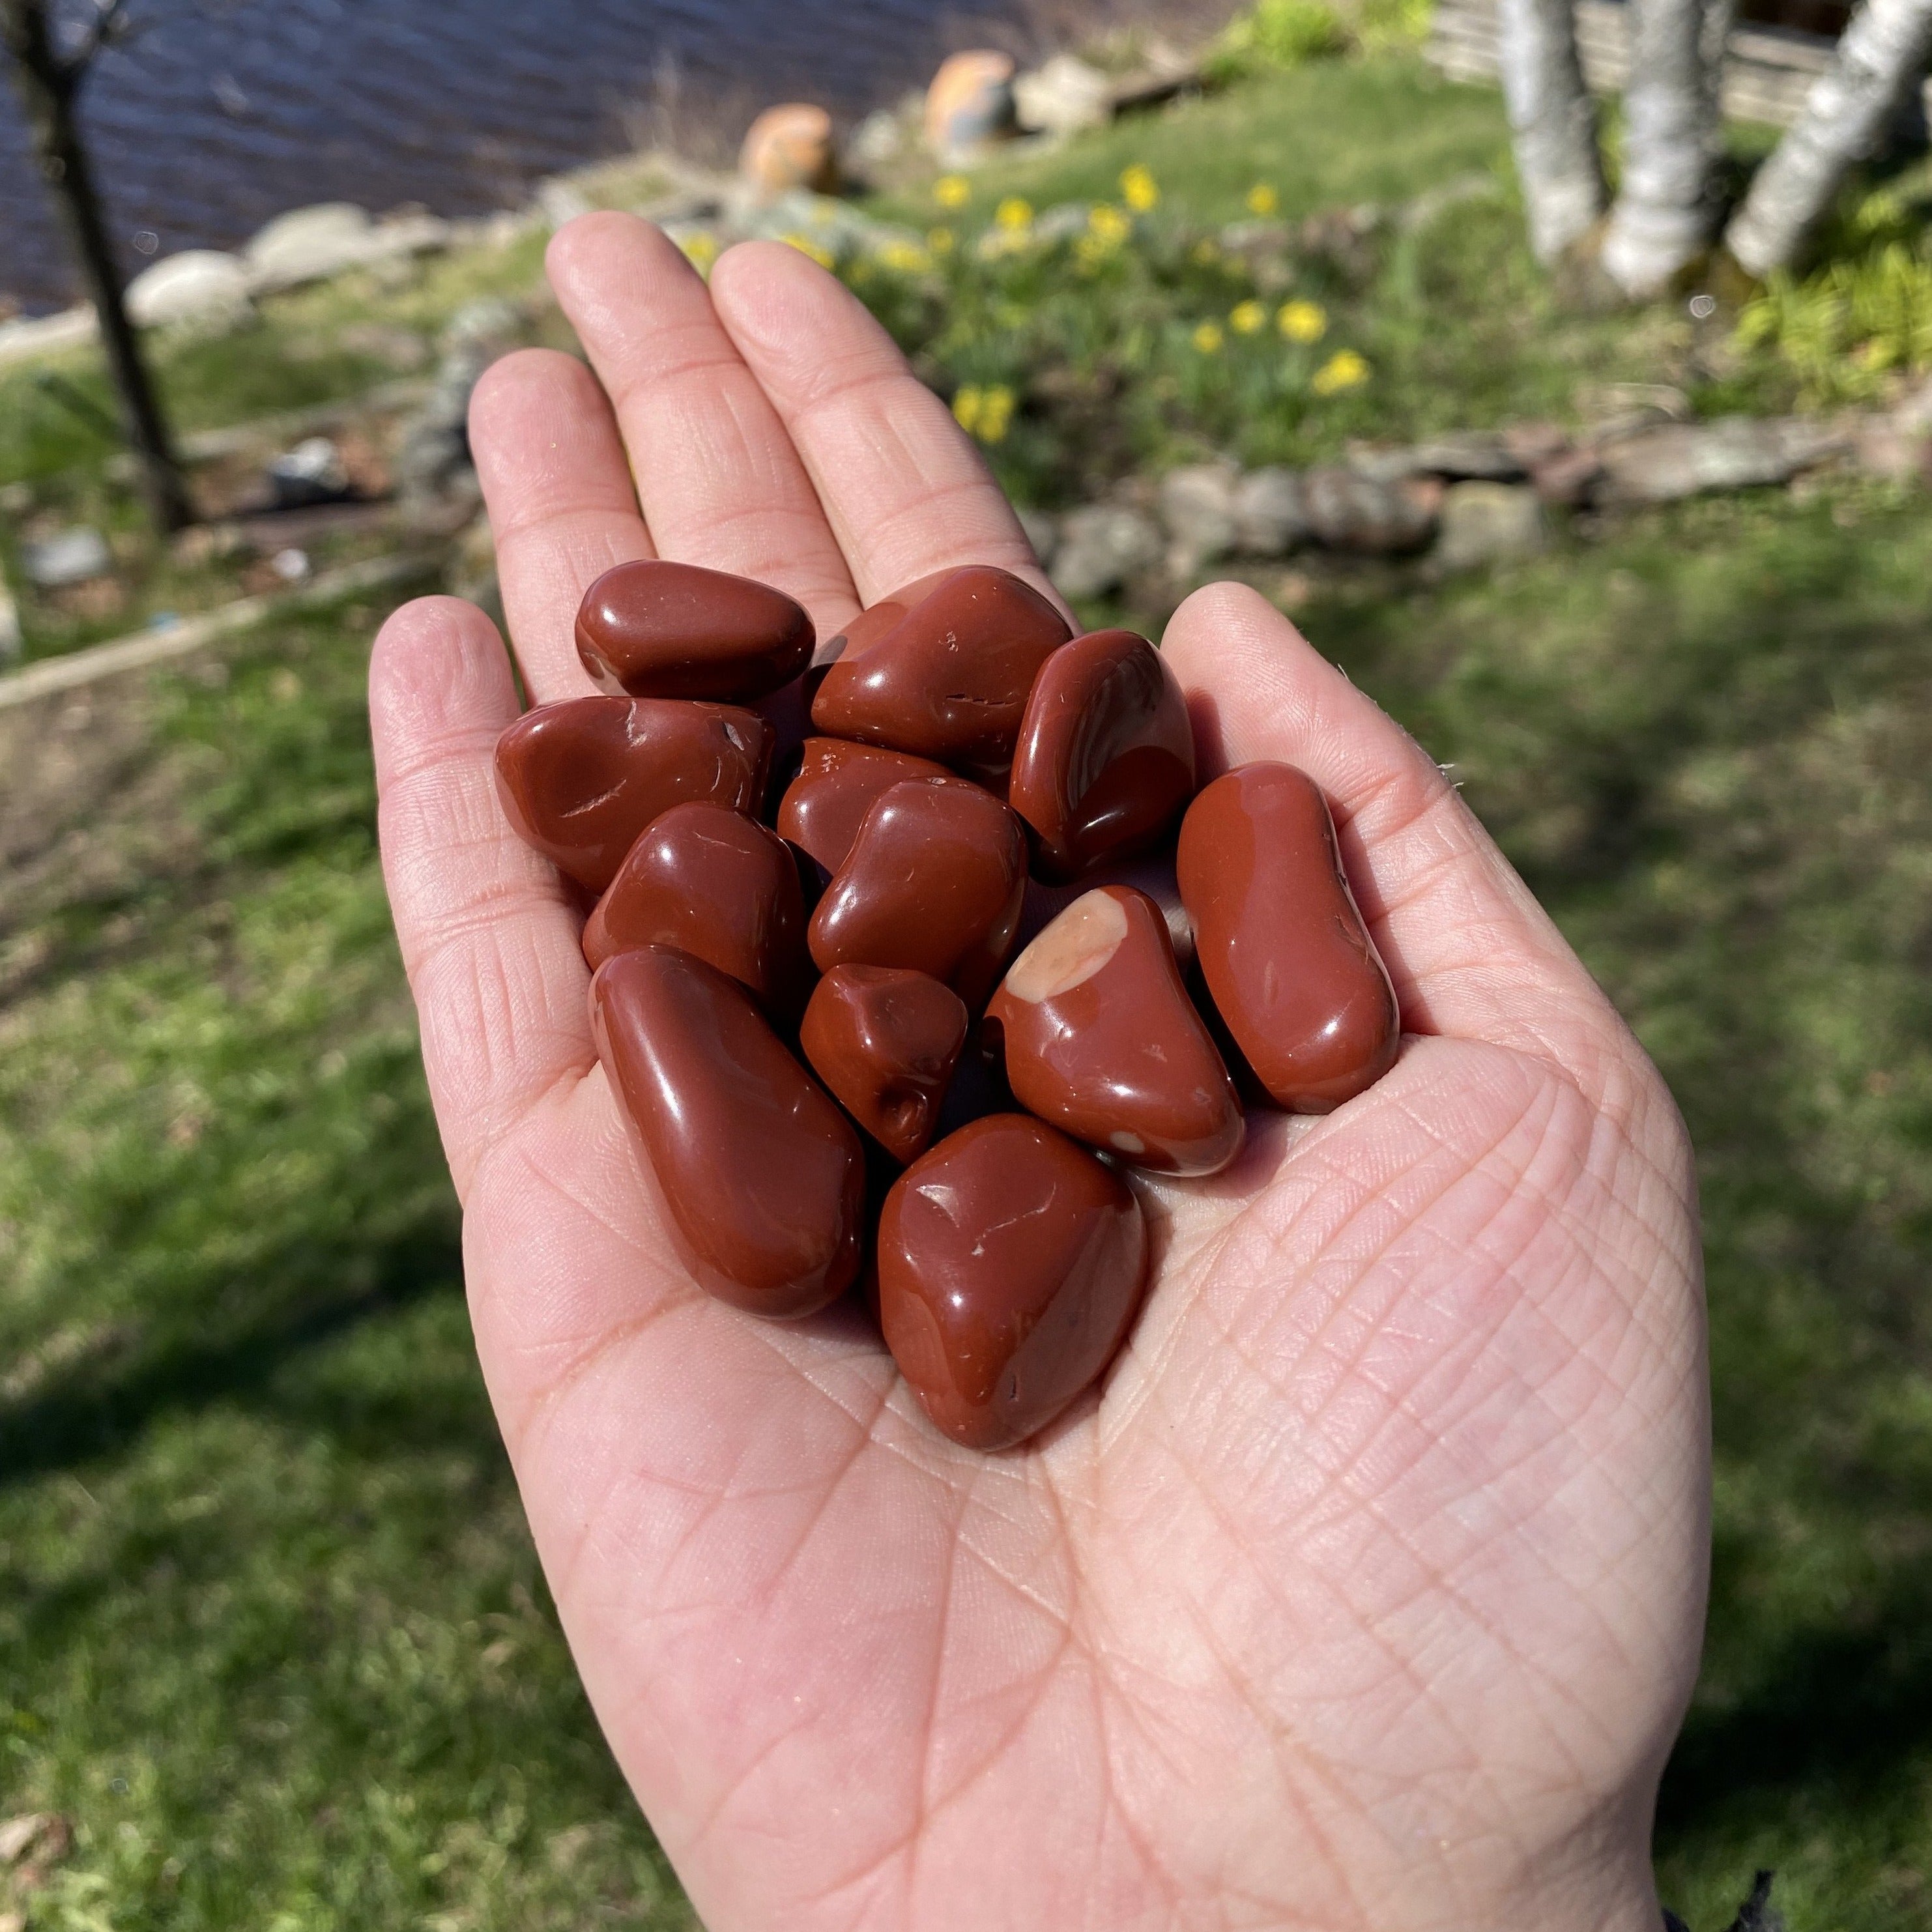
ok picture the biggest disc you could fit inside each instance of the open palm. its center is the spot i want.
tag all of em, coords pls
(1367, 1592)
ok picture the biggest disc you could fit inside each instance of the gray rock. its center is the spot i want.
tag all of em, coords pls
(1042, 532)
(1674, 460)
(881, 137)
(483, 319)
(198, 287)
(308, 245)
(1489, 522)
(1348, 510)
(1197, 504)
(75, 556)
(311, 472)
(1893, 451)
(1064, 96)
(1270, 513)
(1101, 547)
(1481, 454)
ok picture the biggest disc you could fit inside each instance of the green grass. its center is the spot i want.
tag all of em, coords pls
(271, 1629)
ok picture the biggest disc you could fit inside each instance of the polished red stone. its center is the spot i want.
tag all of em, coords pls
(1100, 1039)
(1011, 1263)
(1280, 942)
(762, 1178)
(1106, 757)
(672, 630)
(719, 885)
(942, 668)
(837, 784)
(934, 882)
(885, 1042)
(580, 780)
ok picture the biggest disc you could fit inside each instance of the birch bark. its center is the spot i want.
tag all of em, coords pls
(1665, 210)
(1881, 54)
(1552, 123)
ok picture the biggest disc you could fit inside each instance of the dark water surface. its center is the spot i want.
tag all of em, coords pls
(218, 114)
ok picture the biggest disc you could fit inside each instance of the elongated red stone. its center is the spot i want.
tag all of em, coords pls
(1280, 941)
(885, 1042)
(717, 885)
(942, 668)
(1101, 1039)
(672, 630)
(763, 1178)
(580, 780)
(934, 882)
(1106, 757)
(837, 784)
(1011, 1264)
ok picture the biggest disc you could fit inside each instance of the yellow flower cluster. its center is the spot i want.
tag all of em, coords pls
(1248, 318)
(1107, 224)
(903, 257)
(1262, 199)
(815, 250)
(1207, 338)
(700, 248)
(1302, 321)
(1014, 214)
(1344, 370)
(952, 190)
(985, 413)
(1139, 189)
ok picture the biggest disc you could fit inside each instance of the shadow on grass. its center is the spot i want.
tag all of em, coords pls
(99, 1408)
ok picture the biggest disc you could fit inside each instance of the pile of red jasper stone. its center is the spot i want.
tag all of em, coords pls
(975, 774)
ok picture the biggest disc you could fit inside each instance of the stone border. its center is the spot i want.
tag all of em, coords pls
(53, 675)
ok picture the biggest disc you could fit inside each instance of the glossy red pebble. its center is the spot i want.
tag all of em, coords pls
(934, 882)
(672, 630)
(1101, 1039)
(943, 667)
(838, 783)
(1011, 1263)
(1104, 760)
(1280, 941)
(579, 781)
(885, 1042)
(763, 1177)
(716, 885)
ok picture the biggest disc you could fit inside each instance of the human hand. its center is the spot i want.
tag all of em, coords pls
(1368, 1591)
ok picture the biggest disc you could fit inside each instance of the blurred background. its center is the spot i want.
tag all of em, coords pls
(1601, 459)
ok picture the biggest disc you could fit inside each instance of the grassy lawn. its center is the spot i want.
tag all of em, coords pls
(271, 1631)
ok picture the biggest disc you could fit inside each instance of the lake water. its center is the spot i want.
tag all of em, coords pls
(221, 113)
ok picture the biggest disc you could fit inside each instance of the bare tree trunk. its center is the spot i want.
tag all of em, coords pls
(49, 87)
(1882, 53)
(1553, 123)
(1665, 210)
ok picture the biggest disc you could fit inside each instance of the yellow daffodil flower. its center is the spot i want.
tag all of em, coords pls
(1262, 199)
(966, 403)
(1302, 321)
(1344, 370)
(1138, 188)
(1014, 214)
(1248, 318)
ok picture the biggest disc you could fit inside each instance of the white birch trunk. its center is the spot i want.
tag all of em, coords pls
(1664, 211)
(1552, 123)
(1881, 54)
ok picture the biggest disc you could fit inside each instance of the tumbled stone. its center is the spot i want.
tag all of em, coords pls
(1105, 756)
(762, 1177)
(885, 1042)
(579, 781)
(656, 629)
(1011, 1263)
(1280, 940)
(1100, 1038)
